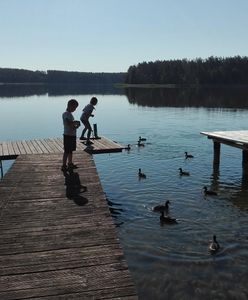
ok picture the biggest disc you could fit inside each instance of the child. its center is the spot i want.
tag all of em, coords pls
(70, 127)
(87, 112)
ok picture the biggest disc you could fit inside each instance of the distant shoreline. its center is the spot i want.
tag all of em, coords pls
(125, 85)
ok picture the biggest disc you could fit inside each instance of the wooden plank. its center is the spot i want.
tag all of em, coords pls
(240, 136)
(41, 146)
(26, 147)
(54, 145)
(10, 148)
(58, 240)
(59, 143)
(47, 146)
(16, 148)
(5, 149)
(51, 145)
(1, 148)
(31, 147)
(36, 146)
(21, 147)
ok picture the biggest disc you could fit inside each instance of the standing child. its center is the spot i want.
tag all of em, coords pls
(70, 128)
(87, 112)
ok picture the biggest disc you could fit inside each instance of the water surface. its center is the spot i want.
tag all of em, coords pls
(169, 261)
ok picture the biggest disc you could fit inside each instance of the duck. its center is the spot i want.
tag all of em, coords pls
(165, 208)
(141, 175)
(207, 192)
(167, 219)
(214, 245)
(183, 173)
(188, 155)
(128, 147)
(140, 144)
(142, 139)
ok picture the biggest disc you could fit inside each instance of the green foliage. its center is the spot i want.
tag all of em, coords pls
(56, 77)
(213, 70)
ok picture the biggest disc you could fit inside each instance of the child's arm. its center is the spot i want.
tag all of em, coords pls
(72, 123)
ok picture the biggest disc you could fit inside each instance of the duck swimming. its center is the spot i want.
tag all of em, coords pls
(142, 139)
(167, 219)
(141, 175)
(214, 245)
(183, 173)
(128, 147)
(207, 192)
(140, 144)
(164, 208)
(188, 155)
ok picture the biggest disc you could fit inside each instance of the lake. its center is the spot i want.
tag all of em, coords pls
(166, 261)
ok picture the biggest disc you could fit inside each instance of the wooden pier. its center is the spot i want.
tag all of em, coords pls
(238, 139)
(11, 149)
(57, 237)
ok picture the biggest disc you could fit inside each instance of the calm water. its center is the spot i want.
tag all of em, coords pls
(170, 261)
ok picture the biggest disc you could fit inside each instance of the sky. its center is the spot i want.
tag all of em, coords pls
(112, 35)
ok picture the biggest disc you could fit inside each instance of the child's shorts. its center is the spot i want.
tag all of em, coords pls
(69, 143)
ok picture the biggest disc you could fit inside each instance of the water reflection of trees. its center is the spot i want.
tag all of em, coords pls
(222, 97)
(24, 90)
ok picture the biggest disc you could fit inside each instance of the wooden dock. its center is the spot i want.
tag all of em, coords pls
(238, 139)
(57, 237)
(11, 149)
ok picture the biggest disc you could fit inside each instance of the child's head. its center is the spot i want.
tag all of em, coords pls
(93, 101)
(72, 105)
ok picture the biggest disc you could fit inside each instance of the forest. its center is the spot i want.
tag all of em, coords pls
(210, 71)
(213, 70)
(8, 75)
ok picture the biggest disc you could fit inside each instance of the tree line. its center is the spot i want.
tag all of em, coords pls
(8, 75)
(200, 96)
(213, 70)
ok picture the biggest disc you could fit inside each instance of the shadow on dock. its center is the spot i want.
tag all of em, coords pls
(74, 188)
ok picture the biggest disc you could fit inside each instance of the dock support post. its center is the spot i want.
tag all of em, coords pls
(216, 161)
(1, 167)
(95, 131)
(245, 161)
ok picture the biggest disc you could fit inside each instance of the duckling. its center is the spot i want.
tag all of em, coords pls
(141, 175)
(165, 208)
(207, 192)
(167, 219)
(142, 139)
(183, 173)
(140, 144)
(214, 245)
(188, 155)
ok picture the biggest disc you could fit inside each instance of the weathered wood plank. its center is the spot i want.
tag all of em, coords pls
(21, 147)
(36, 147)
(239, 136)
(5, 149)
(1, 148)
(54, 145)
(26, 147)
(57, 237)
(16, 148)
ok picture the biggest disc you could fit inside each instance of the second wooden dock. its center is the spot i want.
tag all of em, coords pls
(237, 139)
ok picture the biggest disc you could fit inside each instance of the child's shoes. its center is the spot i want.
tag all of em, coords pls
(72, 166)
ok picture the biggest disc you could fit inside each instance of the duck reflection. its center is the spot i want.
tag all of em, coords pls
(115, 212)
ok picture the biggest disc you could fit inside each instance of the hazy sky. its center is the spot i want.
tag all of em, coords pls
(111, 35)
